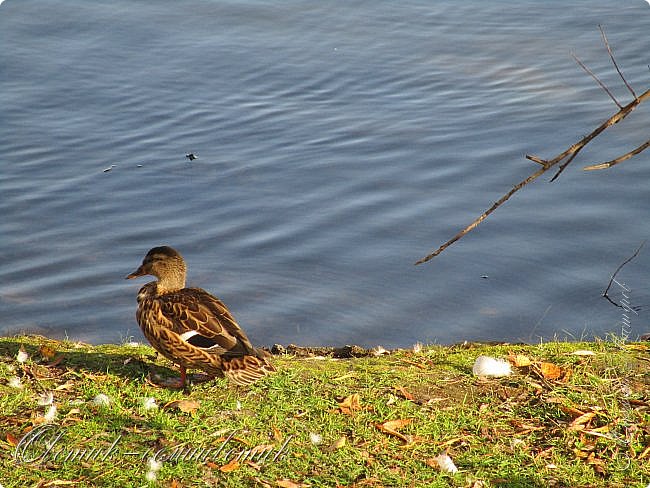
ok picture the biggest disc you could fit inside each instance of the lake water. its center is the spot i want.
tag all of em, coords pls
(338, 143)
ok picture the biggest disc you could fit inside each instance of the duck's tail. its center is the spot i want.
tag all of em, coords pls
(245, 370)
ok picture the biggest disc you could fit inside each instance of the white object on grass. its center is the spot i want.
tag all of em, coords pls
(149, 403)
(46, 398)
(22, 356)
(489, 366)
(445, 463)
(101, 400)
(50, 415)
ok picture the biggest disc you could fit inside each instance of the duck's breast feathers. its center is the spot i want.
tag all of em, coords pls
(202, 320)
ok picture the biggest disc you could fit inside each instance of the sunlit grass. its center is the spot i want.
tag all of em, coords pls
(522, 430)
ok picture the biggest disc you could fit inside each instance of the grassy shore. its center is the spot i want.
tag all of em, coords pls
(570, 415)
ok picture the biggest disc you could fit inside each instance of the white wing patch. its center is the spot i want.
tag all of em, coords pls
(195, 339)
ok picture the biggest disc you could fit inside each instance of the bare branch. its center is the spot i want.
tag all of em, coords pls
(537, 160)
(477, 221)
(620, 159)
(602, 85)
(611, 56)
(605, 295)
(568, 155)
(570, 152)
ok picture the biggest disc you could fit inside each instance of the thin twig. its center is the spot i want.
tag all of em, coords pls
(605, 295)
(602, 85)
(537, 160)
(611, 56)
(477, 221)
(620, 159)
(565, 164)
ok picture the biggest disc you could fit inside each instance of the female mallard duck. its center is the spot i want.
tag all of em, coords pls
(191, 327)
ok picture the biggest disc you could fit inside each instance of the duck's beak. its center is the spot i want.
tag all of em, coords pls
(138, 272)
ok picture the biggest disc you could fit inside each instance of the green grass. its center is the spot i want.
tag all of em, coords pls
(517, 431)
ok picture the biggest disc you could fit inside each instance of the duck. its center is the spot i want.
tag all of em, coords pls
(191, 156)
(191, 327)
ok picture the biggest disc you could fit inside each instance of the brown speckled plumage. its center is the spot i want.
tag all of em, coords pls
(191, 327)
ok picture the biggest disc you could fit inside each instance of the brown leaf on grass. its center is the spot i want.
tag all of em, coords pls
(185, 406)
(350, 404)
(11, 439)
(582, 352)
(645, 453)
(596, 463)
(58, 360)
(277, 435)
(259, 450)
(519, 360)
(68, 385)
(262, 483)
(338, 443)
(391, 427)
(413, 363)
(47, 352)
(255, 466)
(404, 393)
(573, 412)
(231, 466)
(580, 422)
(550, 371)
(285, 483)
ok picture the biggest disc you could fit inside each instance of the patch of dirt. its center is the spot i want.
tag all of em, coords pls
(345, 352)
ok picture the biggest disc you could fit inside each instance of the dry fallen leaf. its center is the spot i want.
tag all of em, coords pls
(262, 483)
(285, 483)
(645, 453)
(231, 466)
(598, 464)
(519, 360)
(57, 360)
(338, 444)
(350, 404)
(47, 352)
(579, 423)
(550, 371)
(413, 363)
(403, 392)
(11, 439)
(582, 352)
(277, 435)
(68, 385)
(391, 427)
(185, 406)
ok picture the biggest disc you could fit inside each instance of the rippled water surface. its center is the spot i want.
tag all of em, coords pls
(338, 142)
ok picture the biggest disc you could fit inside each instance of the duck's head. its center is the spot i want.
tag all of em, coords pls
(166, 264)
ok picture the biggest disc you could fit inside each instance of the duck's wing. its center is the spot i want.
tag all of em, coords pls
(203, 321)
(246, 370)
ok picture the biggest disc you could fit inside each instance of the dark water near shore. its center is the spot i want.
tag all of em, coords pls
(338, 143)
